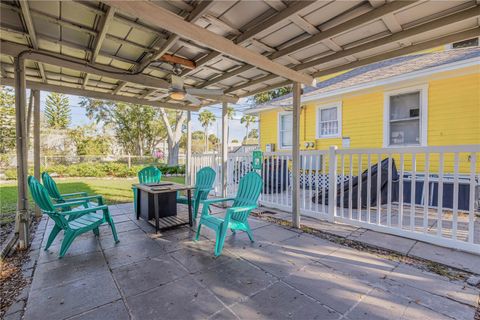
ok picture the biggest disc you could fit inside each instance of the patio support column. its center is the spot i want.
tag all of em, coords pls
(188, 157)
(224, 148)
(36, 141)
(22, 217)
(297, 108)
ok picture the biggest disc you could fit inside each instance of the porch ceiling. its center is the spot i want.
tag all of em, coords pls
(103, 51)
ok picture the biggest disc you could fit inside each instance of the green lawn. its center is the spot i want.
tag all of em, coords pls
(114, 191)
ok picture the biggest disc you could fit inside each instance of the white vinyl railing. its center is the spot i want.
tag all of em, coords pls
(425, 193)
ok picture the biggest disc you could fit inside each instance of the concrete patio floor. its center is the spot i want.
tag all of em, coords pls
(285, 274)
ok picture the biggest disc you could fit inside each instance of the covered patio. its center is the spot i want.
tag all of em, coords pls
(222, 51)
(285, 274)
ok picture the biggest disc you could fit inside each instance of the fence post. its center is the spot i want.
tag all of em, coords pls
(332, 183)
(129, 161)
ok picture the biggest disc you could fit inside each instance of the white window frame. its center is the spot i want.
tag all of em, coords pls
(280, 114)
(423, 89)
(337, 105)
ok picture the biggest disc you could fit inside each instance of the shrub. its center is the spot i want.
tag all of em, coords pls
(98, 170)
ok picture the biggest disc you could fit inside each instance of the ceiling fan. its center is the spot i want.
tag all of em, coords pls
(178, 92)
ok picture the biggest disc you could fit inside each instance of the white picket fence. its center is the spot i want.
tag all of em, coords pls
(444, 182)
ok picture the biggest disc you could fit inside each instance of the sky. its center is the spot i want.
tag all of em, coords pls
(237, 130)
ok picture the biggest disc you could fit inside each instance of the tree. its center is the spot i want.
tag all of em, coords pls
(214, 141)
(88, 141)
(137, 128)
(57, 111)
(266, 96)
(206, 118)
(7, 120)
(230, 114)
(173, 121)
(247, 120)
(253, 134)
(198, 139)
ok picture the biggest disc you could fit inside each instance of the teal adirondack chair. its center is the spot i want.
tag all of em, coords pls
(58, 197)
(203, 185)
(236, 217)
(73, 223)
(148, 174)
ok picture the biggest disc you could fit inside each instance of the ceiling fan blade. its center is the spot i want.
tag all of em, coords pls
(192, 99)
(177, 82)
(201, 92)
(159, 97)
(222, 98)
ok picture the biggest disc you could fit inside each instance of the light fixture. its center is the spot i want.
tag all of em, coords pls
(177, 95)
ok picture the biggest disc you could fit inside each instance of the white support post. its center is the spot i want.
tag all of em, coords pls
(22, 218)
(296, 155)
(36, 141)
(332, 183)
(188, 157)
(224, 147)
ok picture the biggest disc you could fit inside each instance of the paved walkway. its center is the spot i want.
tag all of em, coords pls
(284, 274)
(457, 259)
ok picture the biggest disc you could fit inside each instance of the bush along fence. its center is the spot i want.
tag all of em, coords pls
(97, 170)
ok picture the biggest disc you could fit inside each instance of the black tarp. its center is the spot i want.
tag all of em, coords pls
(373, 187)
(275, 176)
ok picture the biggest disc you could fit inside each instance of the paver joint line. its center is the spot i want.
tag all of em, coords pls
(312, 255)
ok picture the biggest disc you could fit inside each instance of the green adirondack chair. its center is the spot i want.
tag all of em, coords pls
(236, 217)
(203, 185)
(148, 174)
(55, 194)
(73, 223)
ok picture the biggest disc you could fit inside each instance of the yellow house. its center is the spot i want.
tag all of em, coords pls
(426, 99)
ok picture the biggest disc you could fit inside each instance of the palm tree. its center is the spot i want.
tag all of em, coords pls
(206, 119)
(230, 115)
(247, 120)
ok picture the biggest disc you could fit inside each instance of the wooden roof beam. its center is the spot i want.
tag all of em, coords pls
(106, 19)
(399, 36)
(98, 95)
(380, 57)
(403, 51)
(178, 60)
(173, 23)
(262, 26)
(31, 32)
(372, 15)
(13, 49)
(194, 15)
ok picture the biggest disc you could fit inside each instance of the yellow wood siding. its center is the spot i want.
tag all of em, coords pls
(453, 119)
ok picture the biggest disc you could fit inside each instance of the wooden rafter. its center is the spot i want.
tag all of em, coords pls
(164, 19)
(260, 27)
(372, 15)
(80, 65)
(195, 14)
(31, 32)
(393, 38)
(104, 24)
(380, 57)
(98, 95)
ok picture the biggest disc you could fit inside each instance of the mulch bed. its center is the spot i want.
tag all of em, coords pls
(12, 279)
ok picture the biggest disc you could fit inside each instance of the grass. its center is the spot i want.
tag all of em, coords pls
(116, 190)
